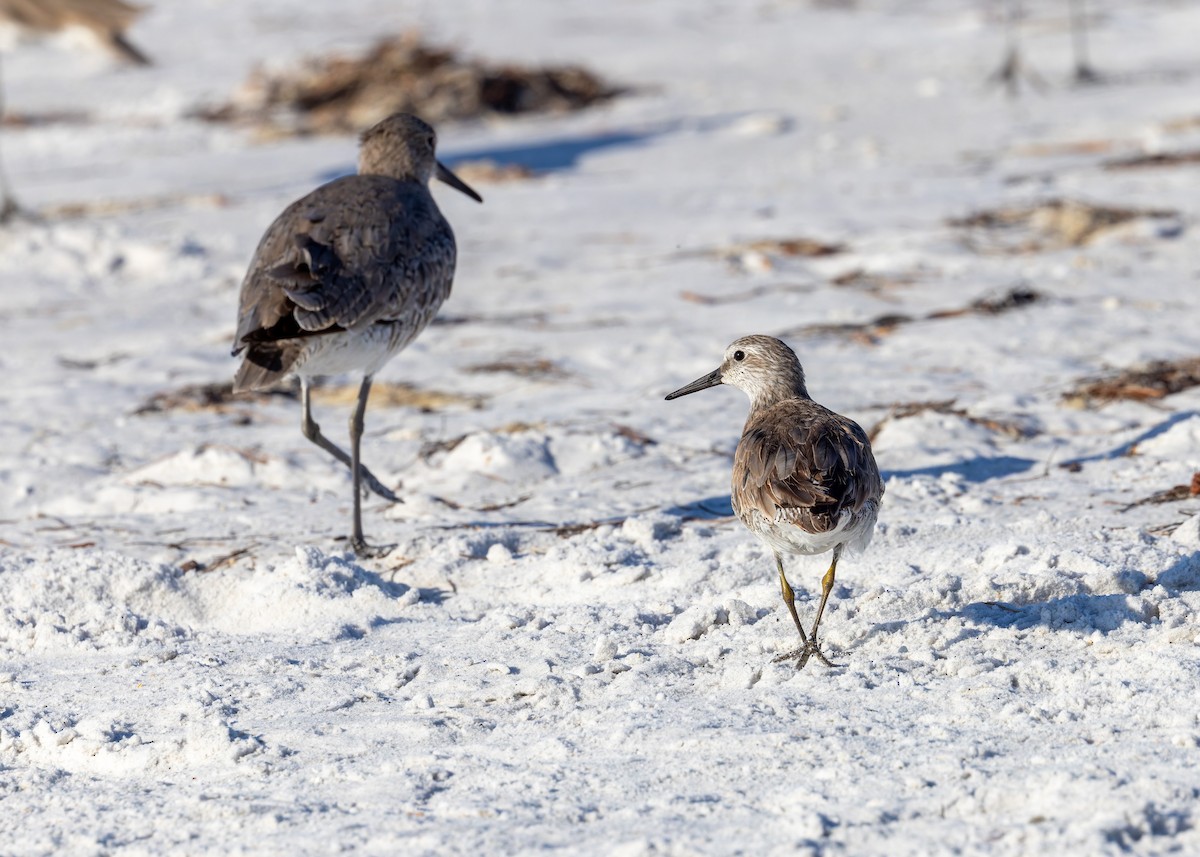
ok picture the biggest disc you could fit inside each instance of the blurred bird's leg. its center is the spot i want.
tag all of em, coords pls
(312, 431)
(789, 598)
(1011, 71)
(8, 205)
(808, 645)
(826, 588)
(125, 49)
(361, 548)
(1084, 73)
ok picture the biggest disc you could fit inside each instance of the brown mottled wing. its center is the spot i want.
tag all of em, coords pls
(800, 462)
(114, 15)
(356, 251)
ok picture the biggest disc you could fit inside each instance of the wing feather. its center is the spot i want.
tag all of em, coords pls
(800, 462)
(349, 254)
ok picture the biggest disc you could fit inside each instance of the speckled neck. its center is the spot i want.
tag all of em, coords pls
(783, 382)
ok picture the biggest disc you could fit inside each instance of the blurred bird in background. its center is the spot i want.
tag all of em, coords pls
(107, 20)
(1014, 67)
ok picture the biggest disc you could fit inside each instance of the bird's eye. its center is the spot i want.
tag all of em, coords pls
(739, 355)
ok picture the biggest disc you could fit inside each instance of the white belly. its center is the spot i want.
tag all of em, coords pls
(853, 530)
(365, 350)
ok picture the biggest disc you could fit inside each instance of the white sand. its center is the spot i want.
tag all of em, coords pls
(1020, 654)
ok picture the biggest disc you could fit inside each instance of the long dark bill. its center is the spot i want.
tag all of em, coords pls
(712, 379)
(444, 174)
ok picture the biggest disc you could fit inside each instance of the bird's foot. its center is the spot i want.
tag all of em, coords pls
(376, 487)
(801, 656)
(1085, 75)
(11, 212)
(362, 550)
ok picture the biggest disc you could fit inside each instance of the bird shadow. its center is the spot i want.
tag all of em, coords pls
(710, 508)
(563, 153)
(546, 156)
(1086, 611)
(978, 469)
(1128, 447)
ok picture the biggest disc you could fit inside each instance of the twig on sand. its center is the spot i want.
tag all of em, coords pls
(218, 563)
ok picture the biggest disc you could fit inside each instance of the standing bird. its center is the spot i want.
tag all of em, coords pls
(804, 478)
(1013, 68)
(348, 276)
(107, 19)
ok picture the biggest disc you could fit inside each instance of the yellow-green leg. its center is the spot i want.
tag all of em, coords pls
(789, 598)
(826, 588)
(808, 646)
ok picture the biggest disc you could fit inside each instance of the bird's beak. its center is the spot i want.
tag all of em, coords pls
(712, 379)
(444, 175)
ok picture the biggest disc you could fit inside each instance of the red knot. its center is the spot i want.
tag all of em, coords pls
(804, 479)
(348, 276)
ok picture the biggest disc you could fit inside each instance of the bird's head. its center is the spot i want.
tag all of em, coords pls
(405, 147)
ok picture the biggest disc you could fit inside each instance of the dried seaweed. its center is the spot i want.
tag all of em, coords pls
(767, 254)
(340, 94)
(858, 278)
(219, 398)
(746, 295)
(633, 435)
(1014, 429)
(1171, 495)
(385, 394)
(433, 447)
(1053, 225)
(215, 398)
(525, 367)
(1158, 159)
(809, 248)
(1147, 383)
(78, 210)
(870, 332)
(216, 564)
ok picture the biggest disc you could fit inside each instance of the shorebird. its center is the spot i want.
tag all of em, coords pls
(1013, 68)
(346, 277)
(107, 19)
(804, 478)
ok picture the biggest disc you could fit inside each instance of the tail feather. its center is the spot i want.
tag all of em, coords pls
(264, 365)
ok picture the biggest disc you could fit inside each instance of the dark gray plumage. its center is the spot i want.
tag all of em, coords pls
(804, 478)
(348, 276)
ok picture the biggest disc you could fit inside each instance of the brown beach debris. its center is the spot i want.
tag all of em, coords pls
(215, 398)
(870, 332)
(387, 394)
(769, 253)
(739, 297)
(1171, 495)
(340, 94)
(219, 398)
(523, 366)
(1012, 428)
(873, 283)
(1155, 160)
(1145, 383)
(1055, 225)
